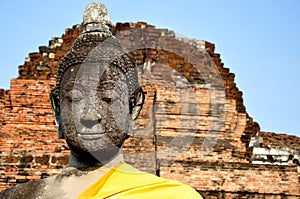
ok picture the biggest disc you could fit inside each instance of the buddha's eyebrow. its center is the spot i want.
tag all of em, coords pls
(70, 85)
(109, 84)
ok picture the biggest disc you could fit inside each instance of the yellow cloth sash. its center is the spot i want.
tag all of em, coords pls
(126, 182)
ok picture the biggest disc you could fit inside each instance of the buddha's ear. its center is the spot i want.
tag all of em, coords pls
(137, 104)
(56, 112)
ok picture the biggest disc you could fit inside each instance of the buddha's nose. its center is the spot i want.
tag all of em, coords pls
(89, 117)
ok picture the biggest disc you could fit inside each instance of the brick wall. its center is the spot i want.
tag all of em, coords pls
(235, 177)
(29, 145)
(30, 149)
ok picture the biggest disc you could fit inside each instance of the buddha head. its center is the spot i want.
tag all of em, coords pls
(97, 95)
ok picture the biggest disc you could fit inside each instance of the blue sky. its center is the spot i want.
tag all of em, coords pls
(259, 40)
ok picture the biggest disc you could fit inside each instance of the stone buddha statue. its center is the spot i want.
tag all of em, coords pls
(96, 99)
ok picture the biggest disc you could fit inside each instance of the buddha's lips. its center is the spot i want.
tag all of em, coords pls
(91, 136)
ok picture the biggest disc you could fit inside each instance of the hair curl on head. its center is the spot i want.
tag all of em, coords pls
(88, 48)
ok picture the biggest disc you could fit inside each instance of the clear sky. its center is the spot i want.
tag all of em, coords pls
(259, 40)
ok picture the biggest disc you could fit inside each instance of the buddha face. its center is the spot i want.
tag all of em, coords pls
(94, 106)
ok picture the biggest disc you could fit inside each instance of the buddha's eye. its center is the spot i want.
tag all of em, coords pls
(109, 99)
(74, 96)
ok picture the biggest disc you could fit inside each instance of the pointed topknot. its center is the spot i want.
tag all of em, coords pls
(96, 13)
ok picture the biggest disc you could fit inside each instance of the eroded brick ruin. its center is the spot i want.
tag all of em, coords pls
(244, 163)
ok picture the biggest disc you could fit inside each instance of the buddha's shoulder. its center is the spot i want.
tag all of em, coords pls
(28, 190)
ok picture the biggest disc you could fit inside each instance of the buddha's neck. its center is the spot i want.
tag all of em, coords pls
(83, 165)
